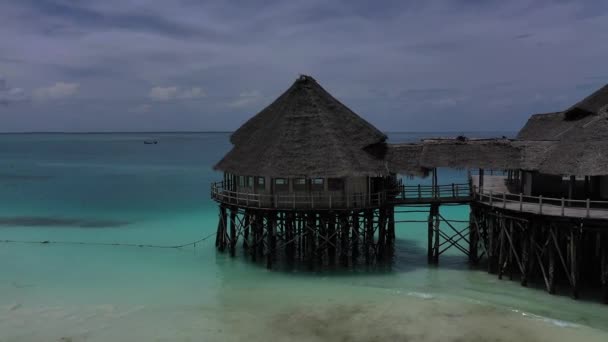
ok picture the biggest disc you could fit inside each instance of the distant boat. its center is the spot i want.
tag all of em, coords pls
(150, 142)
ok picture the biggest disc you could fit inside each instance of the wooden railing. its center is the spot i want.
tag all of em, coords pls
(421, 192)
(313, 200)
(543, 205)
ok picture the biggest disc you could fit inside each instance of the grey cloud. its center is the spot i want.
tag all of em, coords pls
(437, 64)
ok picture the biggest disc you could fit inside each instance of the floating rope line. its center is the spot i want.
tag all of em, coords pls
(45, 242)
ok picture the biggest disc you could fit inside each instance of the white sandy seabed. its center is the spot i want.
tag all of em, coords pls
(307, 313)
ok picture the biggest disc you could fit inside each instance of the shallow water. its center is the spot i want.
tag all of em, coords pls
(108, 188)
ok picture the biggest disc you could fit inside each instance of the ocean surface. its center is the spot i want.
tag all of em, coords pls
(112, 188)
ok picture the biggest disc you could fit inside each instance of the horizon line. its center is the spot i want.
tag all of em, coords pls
(219, 131)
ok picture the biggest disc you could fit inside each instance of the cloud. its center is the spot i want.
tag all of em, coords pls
(57, 91)
(142, 108)
(373, 58)
(174, 93)
(246, 98)
(163, 93)
(193, 93)
(10, 94)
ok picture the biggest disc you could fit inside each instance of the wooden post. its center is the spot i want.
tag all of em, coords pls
(331, 236)
(473, 238)
(551, 268)
(391, 226)
(481, 180)
(574, 239)
(369, 233)
(504, 200)
(344, 235)
(521, 201)
(540, 204)
(604, 265)
(246, 230)
(233, 231)
(491, 244)
(563, 206)
(501, 247)
(436, 232)
(526, 253)
(430, 252)
(355, 236)
(588, 206)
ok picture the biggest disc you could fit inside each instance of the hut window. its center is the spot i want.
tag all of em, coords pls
(250, 181)
(335, 184)
(281, 185)
(241, 181)
(317, 184)
(299, 184)
(260, 183)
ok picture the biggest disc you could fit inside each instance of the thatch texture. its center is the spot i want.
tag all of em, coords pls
(574, 142)
(583, 150)
(405, 159)
(591, 105)
(544, 127)
(478, 153)
(306, 133)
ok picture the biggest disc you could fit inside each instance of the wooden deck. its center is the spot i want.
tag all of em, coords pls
(428, 194)
(496, 193)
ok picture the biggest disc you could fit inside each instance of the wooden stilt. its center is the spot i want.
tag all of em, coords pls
(604, 266)
(233, 231)
(369, 234)
(551, 268)
(271, 242)
(526, 253)
(574, 239)
(355, 236)
(491, 244)
(246, 227)
(344, 239)
(501, 248)
(430, 228)
(436, 232)
(332, 235)
(473, 239)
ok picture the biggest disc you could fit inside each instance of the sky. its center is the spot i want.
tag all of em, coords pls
(186, 65)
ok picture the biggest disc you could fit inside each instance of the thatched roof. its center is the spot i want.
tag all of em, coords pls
(405, 159)
(573, 142)
(591, 105)
(456, 153)
(306, 132)
(473, 153)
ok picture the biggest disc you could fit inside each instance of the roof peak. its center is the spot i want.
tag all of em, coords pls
(304, 78)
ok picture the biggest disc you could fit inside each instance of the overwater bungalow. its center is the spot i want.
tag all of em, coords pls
(574, 160)
(306, 150)
(311, 180)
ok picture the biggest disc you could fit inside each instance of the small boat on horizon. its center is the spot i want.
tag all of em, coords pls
(150, 142)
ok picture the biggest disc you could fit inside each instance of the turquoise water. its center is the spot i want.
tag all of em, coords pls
(109, 188)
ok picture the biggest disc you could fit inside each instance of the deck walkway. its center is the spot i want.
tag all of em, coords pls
(428, 194)
(497, 193)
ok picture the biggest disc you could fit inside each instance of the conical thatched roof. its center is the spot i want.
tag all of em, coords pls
(306, 133)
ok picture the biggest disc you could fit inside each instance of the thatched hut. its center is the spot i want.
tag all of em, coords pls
(570, 156)
(305, 147)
